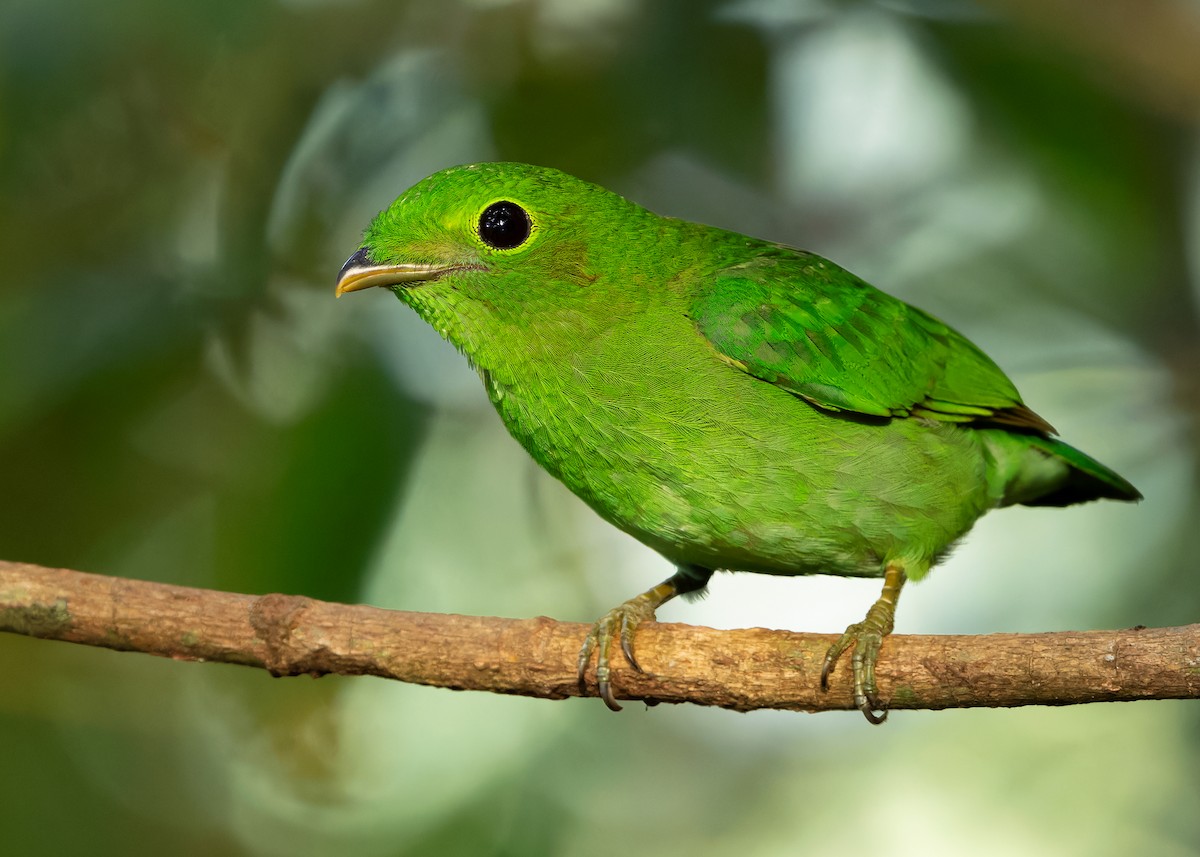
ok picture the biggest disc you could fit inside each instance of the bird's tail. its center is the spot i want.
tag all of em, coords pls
(1035, 470)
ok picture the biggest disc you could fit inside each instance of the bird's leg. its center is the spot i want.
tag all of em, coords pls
(621, 622)
(866, 637)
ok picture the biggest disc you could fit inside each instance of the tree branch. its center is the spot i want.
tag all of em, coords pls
(743, 670)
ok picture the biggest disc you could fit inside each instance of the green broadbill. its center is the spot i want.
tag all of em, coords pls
(732, 403)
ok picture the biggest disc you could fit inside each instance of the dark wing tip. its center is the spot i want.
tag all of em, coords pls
(1019, 416)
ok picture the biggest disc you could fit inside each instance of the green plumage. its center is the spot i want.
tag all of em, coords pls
(732, 403)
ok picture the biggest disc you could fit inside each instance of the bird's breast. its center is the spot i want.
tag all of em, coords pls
(711, 466)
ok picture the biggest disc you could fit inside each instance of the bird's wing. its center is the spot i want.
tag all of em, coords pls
(814, 329)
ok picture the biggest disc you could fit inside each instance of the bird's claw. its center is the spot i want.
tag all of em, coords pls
(620, 623)
(866, 637)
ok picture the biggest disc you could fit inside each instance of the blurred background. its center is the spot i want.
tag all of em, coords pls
(182, 400)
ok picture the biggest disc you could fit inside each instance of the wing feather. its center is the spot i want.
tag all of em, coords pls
(814, 329)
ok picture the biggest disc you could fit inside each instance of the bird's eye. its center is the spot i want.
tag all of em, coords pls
(504, 225)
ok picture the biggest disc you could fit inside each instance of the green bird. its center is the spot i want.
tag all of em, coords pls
(732, 403)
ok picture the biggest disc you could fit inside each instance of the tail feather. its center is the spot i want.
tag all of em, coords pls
(1086, 479)
(1032, 469)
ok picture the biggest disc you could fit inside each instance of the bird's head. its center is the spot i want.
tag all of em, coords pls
(486, 250)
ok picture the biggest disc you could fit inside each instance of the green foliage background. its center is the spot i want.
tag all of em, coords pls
(182, 400)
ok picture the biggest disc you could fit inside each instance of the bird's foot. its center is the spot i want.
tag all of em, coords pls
(867, 637)
(620, 623)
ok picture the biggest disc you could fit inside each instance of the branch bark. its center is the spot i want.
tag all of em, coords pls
(743, 670)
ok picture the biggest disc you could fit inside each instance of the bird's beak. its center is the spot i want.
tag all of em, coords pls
(358, 273)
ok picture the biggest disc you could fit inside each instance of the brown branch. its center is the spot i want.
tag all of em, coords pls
(744, 670)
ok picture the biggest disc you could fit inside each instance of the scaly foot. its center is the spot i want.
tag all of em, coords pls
(621, 623)
(867, 638)
(618, 623)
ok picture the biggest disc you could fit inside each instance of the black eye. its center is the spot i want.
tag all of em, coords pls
(504, 225)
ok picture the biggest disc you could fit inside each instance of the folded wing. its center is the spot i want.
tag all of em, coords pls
(799, 321)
